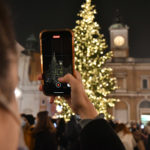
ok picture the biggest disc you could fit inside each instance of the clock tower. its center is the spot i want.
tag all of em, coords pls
(119, 39)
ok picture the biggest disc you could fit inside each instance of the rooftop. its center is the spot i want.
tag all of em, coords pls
(118, 26)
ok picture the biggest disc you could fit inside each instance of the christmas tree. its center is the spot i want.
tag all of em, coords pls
(90, 60)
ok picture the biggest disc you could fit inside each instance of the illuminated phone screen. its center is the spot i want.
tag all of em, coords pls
(57, 61)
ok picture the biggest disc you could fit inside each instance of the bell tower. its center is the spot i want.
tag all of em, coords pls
(119, 38)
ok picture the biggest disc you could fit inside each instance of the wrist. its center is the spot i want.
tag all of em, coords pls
(88, 111)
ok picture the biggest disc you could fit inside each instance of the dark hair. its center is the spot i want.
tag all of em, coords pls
(30, 119)
(44, 123)
(7, 47)
(23, 115)
(122, 127)
(61, 126)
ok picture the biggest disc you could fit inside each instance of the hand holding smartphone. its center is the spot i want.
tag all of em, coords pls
(57, 59)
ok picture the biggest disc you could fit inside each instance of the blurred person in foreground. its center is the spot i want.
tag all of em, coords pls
(44, 133)
(96, 133)
(9, 115)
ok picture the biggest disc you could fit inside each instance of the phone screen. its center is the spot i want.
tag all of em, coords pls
(57, 61)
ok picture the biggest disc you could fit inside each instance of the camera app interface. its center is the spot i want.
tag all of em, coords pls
(57, 59)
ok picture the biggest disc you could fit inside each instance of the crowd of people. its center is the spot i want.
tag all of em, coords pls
(134, 136)
(90, 132)
(45, 133)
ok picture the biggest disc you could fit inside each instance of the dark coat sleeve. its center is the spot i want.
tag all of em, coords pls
(99, 135)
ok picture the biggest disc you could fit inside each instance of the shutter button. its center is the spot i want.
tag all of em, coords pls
(58, 84)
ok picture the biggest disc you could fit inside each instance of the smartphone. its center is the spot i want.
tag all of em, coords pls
(57, 59)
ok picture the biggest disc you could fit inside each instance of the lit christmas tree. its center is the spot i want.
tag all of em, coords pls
(90, 60)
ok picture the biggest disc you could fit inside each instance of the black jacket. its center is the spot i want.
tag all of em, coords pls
(99, 135)
(45, 140)
(72, 133)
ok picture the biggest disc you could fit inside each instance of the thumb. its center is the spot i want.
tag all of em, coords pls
(68, 78)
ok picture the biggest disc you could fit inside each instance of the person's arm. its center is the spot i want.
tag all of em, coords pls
(79, 101)
(97, 134)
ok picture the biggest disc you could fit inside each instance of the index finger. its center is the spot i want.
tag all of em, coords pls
(40, 77)
(68, 78)
(52, 98)
(78, 75)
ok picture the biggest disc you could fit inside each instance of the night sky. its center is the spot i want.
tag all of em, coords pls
(31, 16)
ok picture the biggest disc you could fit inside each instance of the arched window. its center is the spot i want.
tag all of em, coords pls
(145, 104)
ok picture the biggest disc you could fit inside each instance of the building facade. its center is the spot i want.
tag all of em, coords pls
(133, 79)
(31, 100)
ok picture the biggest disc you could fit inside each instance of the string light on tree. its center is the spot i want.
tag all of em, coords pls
(90, 60)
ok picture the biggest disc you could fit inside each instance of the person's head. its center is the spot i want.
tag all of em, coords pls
(24, 120)
(30, 119)
(44, 122)
(61, 124)
(23, 116)
(8, 54)
(122, 127)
